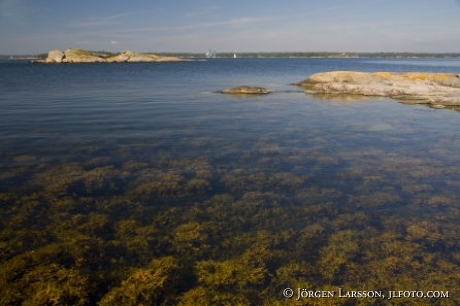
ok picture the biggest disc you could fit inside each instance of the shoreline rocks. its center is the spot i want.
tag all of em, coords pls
(84, 56)
(410, 87)
(246, 90)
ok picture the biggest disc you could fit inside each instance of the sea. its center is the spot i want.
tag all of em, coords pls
(82, 144)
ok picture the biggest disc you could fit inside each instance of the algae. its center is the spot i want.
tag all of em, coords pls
(167, 228)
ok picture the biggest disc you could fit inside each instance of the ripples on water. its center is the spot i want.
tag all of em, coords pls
(138, 183)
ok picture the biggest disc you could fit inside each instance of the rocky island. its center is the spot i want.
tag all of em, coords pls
(436, 89)
(84, 56)
(246, 90)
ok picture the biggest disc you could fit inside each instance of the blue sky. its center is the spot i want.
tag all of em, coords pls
(33, 26)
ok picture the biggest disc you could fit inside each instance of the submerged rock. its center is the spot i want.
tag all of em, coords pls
(247, 90)
(412, 87)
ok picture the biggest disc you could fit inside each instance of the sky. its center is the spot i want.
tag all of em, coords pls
(37, 26)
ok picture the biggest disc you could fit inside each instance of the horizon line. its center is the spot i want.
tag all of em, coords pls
(251, 52)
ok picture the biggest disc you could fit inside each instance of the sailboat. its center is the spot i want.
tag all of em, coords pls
(234, 55)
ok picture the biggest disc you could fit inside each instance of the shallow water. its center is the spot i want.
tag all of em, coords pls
(122, 169)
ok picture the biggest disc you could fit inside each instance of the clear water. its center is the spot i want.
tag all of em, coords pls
(101, 134)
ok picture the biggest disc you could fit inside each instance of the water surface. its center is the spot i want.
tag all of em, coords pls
(111, 173)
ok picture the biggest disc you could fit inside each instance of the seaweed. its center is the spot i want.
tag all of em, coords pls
(165, 228)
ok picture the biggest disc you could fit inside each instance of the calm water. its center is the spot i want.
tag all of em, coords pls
(170, 102)
(159, 135)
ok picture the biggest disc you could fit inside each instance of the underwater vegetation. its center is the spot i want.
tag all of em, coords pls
(131, 228)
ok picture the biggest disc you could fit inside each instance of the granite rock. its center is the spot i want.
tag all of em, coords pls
(411, 87)
(247, 90)
(55, 56)
(84, 56)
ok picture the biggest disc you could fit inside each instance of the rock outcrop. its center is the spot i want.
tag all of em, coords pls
(55, 56)
(84, 56)
(81, 56)
(247, 90)
(130, 56)
(410, 87)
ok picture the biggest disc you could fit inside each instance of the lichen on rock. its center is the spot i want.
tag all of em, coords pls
(416, 87)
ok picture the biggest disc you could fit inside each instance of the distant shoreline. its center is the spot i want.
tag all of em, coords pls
(319, 55)
(278, 55)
